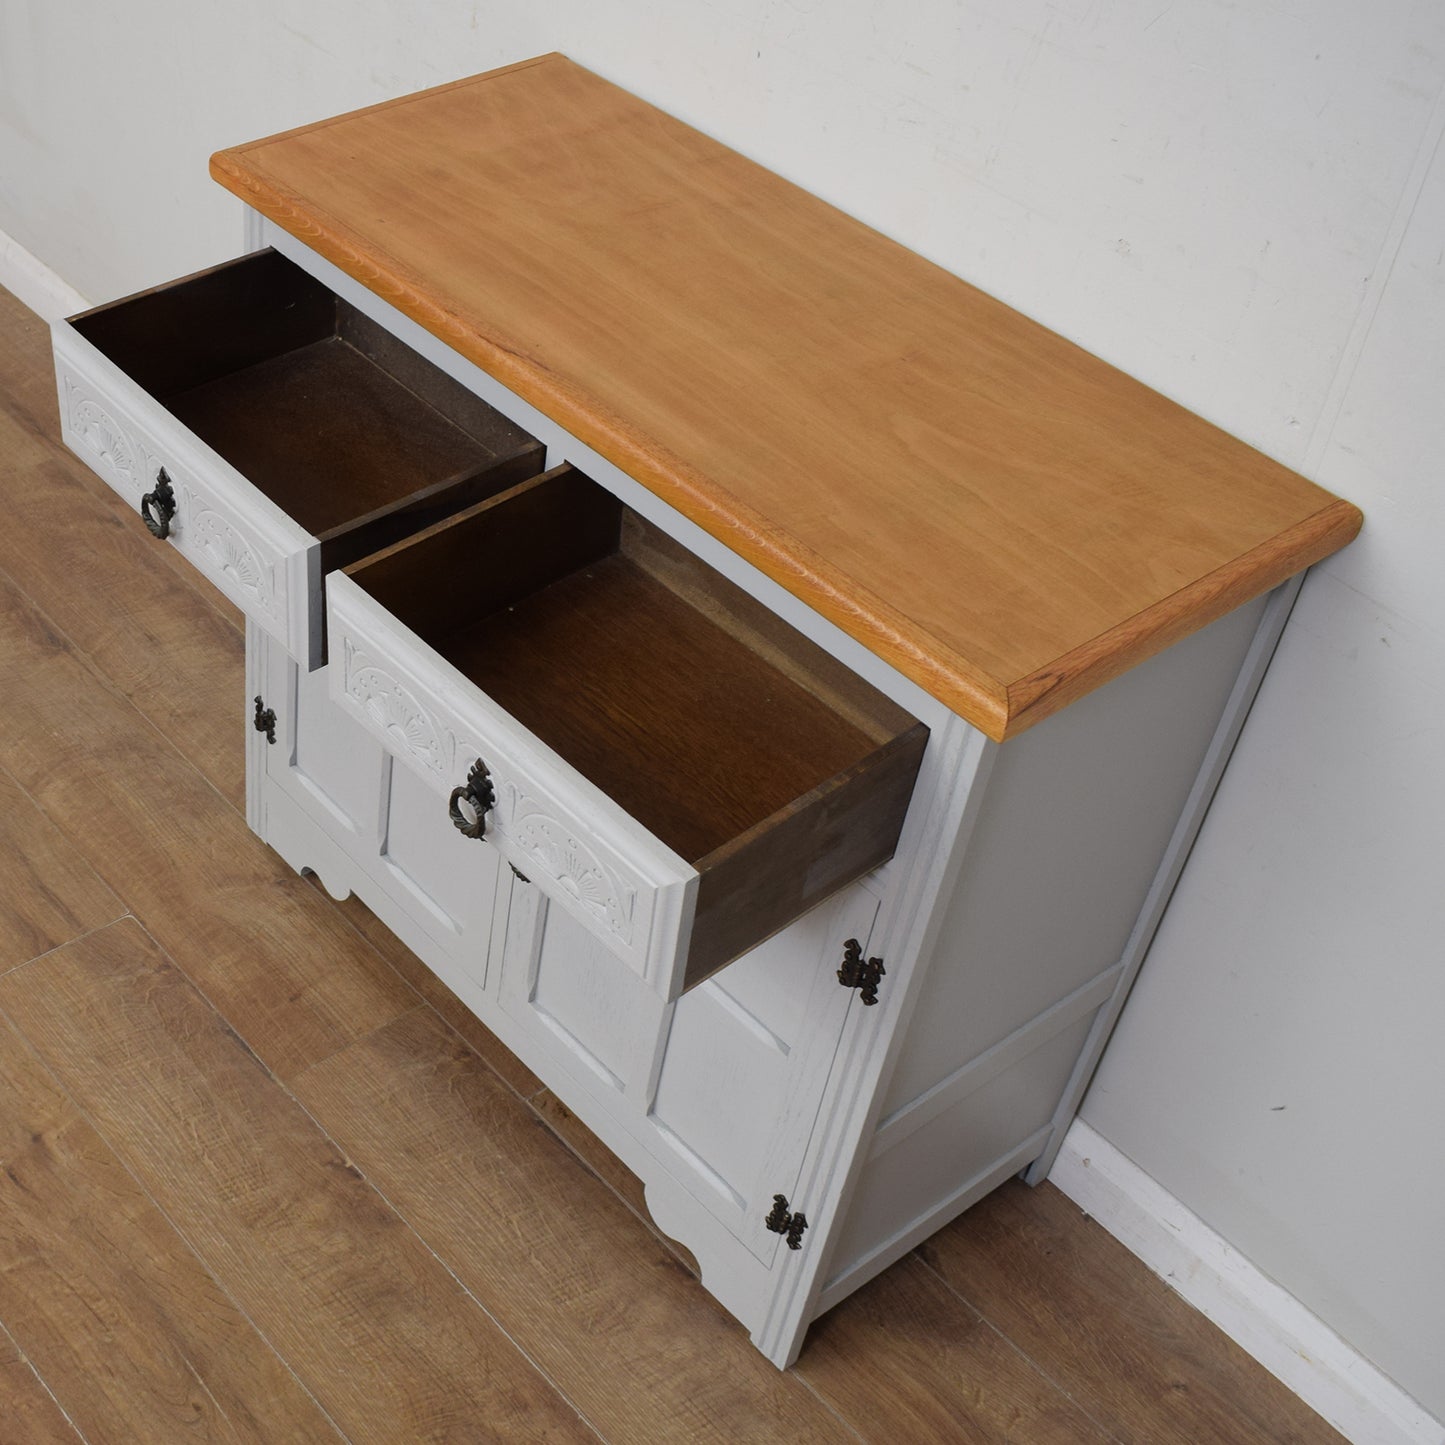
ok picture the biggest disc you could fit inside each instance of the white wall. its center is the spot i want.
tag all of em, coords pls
(1241, 204)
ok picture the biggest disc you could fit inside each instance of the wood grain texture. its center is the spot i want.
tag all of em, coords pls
(48, 893)
(507, 547)
(951, 1376)
(686, 729)
(161, 635)
(982, 503)
(760, 881)
(26, 1406)
(326, 434)
(289, 974)
(647, 1355)
(104, 1295)
(283, 1220)
(1148, 1367)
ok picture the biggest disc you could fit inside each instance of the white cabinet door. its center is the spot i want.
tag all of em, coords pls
(601, 1024)
(722, 1087)
(748, 1057)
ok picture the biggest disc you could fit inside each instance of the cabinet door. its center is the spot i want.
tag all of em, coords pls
(722, 1087)
(600, 1024)
(747, 1059)
(392, 828)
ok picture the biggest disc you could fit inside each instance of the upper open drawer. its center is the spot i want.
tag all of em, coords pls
(668, 761)
(271, 432)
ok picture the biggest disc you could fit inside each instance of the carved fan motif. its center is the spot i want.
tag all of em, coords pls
(99, 431)
(228, 551)
(394, 710)
(566, 859)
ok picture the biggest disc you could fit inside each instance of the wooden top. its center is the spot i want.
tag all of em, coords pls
(1006, 519)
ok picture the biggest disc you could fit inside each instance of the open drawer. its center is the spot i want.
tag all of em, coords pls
(271, 432)
(665, 759)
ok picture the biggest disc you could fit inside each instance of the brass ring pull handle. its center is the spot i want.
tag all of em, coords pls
(163, 499)
(480, 795)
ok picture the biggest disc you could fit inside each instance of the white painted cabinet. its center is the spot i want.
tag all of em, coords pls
(669, 967)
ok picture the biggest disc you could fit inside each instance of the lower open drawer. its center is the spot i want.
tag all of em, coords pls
(675, 767)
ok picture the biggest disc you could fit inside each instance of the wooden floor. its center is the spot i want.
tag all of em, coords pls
(264, 1181)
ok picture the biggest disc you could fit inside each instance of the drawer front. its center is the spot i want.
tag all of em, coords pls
(568, 838)
(238, 538)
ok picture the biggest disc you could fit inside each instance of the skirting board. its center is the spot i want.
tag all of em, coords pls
(1295, 1346)
(34, 283)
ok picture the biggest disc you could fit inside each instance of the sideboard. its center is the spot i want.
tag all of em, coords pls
(774, 685)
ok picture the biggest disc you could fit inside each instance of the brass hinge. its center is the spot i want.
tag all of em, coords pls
(265, 721)
(780, 1221)
(859, 972)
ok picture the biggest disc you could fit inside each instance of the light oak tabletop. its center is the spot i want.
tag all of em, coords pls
(1006, 519)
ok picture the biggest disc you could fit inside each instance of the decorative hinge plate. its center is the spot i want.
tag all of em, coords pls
(791, 1226)
(265, 721)
(859, 972)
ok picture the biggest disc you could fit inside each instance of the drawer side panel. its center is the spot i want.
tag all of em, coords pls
(794, 860)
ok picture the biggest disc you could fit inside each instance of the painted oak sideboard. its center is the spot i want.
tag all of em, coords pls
(774, 685)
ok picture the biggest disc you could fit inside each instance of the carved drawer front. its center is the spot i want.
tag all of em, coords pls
(269, 432)
(240, 540)
(551, 824)
(666, 761)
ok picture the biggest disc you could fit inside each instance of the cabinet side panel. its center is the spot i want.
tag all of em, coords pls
(1078, 814)
(933, 1173)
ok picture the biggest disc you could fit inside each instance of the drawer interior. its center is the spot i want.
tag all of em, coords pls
(343, 427)
(721, 729)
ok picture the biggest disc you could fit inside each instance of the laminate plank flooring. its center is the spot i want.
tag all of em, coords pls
(450, 1146)
(1145, 1364)
(951, 1376)
(288, 1227)
(282, 1187)
(243, 926)
(26, 1406)
(129, 602)
(101, 1292)
(48, 893)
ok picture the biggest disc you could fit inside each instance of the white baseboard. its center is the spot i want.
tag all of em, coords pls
(1295, 1346)
(35, 283)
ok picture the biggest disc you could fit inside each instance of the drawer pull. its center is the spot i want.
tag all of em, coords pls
(163, 499)
(479, 794)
